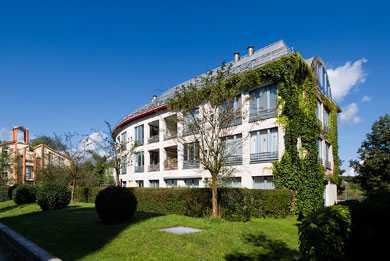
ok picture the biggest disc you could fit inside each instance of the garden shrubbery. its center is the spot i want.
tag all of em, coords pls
(115, 204)
(25, 194)
(53, 196)
(235, 204)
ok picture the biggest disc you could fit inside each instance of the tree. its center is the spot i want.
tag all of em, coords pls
(373, 166)
(117, 151)
(4, 166)
(54, 142)
(208, 112)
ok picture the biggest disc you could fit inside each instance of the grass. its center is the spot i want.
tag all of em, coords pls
(75, 233)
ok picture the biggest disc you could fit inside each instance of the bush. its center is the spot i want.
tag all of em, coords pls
(325, 234)
(25, 194)
(115, 204)
(53, 196)
(235, 204)
(3, 193)
(86, 194)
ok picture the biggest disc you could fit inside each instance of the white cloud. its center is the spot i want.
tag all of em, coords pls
(344, 78)
(366, 99)
(93, 143)
(350, 113)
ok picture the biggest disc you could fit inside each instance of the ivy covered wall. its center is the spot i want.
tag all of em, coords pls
(299, 169)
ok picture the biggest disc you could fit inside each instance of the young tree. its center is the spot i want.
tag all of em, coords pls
(373, 167)
(208, 112)
(117, 151)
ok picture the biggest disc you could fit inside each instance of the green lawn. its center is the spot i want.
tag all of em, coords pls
(75, 233)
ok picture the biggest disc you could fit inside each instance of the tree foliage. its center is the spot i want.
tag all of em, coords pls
(55, 142)
(373, 166)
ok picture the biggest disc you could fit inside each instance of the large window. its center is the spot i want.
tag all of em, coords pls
(263, 182)
(234, 107)
(233, 149)
(154, 183)
(192, 183)
(264, 145)
(171, 183)
(325, 120)
(263, 103)
(191, 155)
(321, 151)
(189, 122)
(234, 182)
(139, 161)
(139, 135)
(123, 140)
(328, 152)
(29, 173)
(140, 183)
(323, 80)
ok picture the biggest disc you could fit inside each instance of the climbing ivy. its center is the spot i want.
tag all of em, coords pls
(299, 169)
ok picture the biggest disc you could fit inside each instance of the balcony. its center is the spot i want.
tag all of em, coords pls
(154, 167)
(169, 136)
(233, 160)
(154, 139)
(191, 164)
(263, 157)
(139, 169)
(234, 122)
(262, 115)
(170, 165)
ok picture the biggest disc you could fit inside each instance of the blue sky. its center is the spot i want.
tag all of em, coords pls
(70, 65)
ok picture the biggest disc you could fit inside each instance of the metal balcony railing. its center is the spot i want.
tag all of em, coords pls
(170, 165)
(154, 167)
(234, 122)
(154, 139)
(139, 169)
(262, 115)
(168, 136)
(263, 157)
(234, 160)
(191, 164)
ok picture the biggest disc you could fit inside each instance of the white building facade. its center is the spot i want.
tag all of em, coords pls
(162, 160)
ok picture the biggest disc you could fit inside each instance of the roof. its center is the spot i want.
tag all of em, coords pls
(261, 56)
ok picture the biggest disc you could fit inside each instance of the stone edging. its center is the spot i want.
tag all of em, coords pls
(24, 247)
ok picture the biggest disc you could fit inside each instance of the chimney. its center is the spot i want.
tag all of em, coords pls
(26, 136)
(154, 98)
(251, 50)
(236, 57)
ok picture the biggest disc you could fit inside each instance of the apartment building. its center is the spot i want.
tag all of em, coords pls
(160, 160)
(25, 161)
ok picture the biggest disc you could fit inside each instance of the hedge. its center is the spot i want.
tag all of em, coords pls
(235, 204)
(3, 193)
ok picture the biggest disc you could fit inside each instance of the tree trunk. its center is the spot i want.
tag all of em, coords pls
(214, 197)
(73, 189)
(118, 183)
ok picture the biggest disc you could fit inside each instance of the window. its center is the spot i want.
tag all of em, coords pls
(139, 135)
(263, 103)
(233, 107)
(328, 156)
(323, 80)
(320, 151)
(140, 183)
(28, 173)
(325, 120)
(263, 182)
(264, 145)
(139, 161)
(233, 148)
(124, 165)
(191, 155)
(171, 183)
(123, 140)
(189, 120)
(319, 110)
(154, 183)
(192, 183)
(234, 182)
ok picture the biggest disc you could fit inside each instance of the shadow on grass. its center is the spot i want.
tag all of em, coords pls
(8, 208)
(70, 233)
(266, 249)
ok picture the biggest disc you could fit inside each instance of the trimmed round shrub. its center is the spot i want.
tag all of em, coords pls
(53, 196)
(25, 194)
(115, 205)
(325, 234)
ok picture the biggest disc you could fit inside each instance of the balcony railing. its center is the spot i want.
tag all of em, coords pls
(154, 167)
(328, 165)
(154, 139)
(170, 164)
(234, 160)
(191, 164)
(263, 157)
(139, 169)
(234, 122)
(262, 115)
(168, 136)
